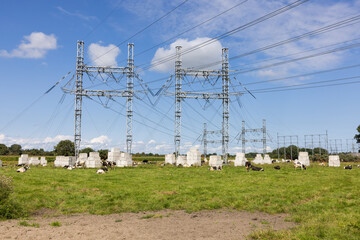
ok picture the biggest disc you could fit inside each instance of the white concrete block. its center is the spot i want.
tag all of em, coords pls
(34, 161)
(94, 154)
(258, 159)
(215, 161)
(193, 157)
(24, 159)
(82, 158)
(93, 161)
(61, 161)
(240, 159)
(115, 150)
(181, 160)
(334, 161)
(170, 159)
(114, 156)
(267, 159)
(125, 160)
(43, 161)
(304, 158)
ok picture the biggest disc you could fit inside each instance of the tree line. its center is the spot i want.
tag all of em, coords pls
(67, 148)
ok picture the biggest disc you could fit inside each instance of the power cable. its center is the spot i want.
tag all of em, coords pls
(231, 32)
(142, 30)
(190, 29)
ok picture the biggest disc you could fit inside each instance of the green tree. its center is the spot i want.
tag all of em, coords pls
(103, 153)
(87, 150)
(4, 150)
(357, 136)
(65, 148)
(15, 149)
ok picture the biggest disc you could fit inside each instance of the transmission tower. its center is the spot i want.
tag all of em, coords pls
(335, 145)
(179, 95)
(350, 147)
(248, 130)
(287, 140)
(309, 140)
(79, 92)
(205, 140)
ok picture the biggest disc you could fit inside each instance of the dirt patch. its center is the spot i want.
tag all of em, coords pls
(166, 224)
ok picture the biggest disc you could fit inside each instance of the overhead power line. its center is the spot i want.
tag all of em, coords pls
(145, 28)
(328, 28)
(229, 33)
(190, 29)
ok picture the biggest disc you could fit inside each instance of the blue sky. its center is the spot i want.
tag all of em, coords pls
(38, 47)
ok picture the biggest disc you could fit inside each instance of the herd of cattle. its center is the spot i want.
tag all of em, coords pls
(106, 165)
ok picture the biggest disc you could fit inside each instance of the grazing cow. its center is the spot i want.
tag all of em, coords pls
(80, 164)
(248, 166)
(300, 165)
(23, 169)
(358, 166)
(145, 161)
(109, 164)
(277, 167)
(348, 167)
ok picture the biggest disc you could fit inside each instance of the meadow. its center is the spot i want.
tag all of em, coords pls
(323, 201)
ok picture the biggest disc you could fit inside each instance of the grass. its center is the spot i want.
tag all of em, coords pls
(152, 216)
(26, 224)
(323, 201)
(55, 224)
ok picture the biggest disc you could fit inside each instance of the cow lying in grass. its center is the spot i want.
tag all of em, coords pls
(23, 169)
(349, 167)
(215, 168)
(102, 170)
(300, 165)
(277, 167)
(254, 168)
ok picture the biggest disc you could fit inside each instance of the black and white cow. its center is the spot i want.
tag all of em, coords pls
(254, 168)
(349, 167)
(300, 165)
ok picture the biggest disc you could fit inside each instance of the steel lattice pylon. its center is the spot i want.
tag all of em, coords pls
(129, 103)
(78, 95)
(79, 92)
(224, 95)
(245, 130)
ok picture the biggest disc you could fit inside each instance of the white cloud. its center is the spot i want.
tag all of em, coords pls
(101, 140)
(58, 138)
(76, 14)
(35, 45)
(204, 55)
(304, 18)
(267, 73)
(103, 55)
(152, 141)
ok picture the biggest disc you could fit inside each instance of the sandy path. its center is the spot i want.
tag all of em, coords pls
(167, 224)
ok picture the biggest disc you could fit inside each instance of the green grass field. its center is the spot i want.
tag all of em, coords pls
(324, 201)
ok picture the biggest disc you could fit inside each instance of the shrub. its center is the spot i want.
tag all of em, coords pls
(8, 208)
(55, 224)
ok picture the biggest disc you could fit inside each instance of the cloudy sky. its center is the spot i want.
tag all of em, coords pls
(301, 64)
